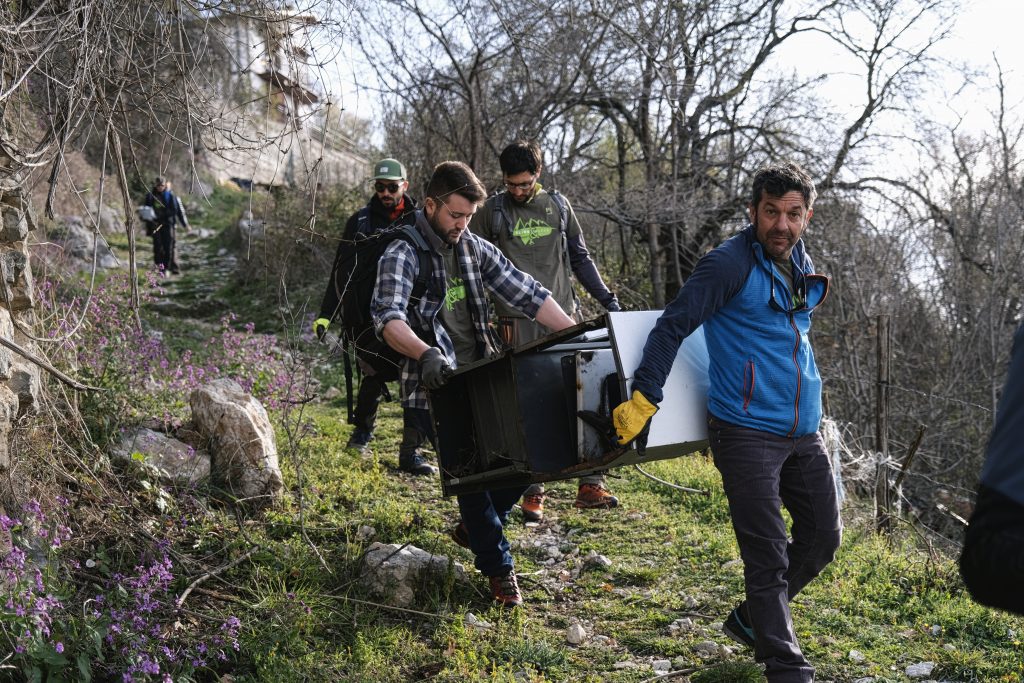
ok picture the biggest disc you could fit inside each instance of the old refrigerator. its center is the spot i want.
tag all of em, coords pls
(511, 420)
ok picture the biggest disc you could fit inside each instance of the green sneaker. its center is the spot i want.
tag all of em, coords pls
(737, 629)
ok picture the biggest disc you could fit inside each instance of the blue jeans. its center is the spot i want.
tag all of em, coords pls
(485, 515)
(761, 473)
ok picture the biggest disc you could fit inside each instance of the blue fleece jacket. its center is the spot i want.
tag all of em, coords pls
(762, 371)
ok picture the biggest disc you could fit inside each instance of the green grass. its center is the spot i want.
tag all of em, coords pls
(668, 551)
(307, 615)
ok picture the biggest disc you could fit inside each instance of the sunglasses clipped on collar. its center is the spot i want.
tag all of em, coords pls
(797, 303)
(799, 300)
(390, 187)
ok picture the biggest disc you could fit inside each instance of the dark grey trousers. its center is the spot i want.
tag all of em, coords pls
(992, 561)
(761, 473)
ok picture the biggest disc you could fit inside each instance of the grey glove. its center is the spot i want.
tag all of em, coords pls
(614, 306)
(434, 368)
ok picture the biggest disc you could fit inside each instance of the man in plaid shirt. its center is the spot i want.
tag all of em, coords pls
(448, 327)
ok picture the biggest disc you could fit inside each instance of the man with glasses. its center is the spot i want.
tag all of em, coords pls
(449, 326)
(754, 296)
(389, 207)
(537, 230)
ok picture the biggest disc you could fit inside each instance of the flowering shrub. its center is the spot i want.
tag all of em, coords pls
(142, 626)
(28, 627)
(131, 631)
(144, 373)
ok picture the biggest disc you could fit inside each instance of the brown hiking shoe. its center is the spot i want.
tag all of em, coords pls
(505, 589)
(593, 496)
(461, 535)
(533, 507)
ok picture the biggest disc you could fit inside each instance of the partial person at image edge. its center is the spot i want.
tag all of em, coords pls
(992, 560)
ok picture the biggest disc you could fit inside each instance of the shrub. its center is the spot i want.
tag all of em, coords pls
(132, 630)
(138, 373)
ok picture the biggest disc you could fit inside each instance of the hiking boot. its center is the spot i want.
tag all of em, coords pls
(505, 590)
(414, 463)
(735, 626)
(360, 441)
(460, 534)
(593, 496)
(533, 507)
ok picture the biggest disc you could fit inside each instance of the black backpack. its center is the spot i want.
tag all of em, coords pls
(355, 275)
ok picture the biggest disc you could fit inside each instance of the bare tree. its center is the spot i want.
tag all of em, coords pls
(654, 114)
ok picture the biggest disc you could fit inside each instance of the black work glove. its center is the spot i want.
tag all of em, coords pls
(434, 368)
(614, 306)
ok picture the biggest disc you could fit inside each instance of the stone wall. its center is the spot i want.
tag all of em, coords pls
(19, 378)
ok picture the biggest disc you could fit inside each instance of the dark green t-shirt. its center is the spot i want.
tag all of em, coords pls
(785, 268)
(455, 314)
(535, 245)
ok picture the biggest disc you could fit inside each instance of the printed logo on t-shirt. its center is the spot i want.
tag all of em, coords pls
(456, 292)
(531, 230)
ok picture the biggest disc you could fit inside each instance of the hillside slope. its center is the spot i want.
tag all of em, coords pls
(284, 590)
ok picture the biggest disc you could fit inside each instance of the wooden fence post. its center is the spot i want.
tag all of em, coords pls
(883, 504)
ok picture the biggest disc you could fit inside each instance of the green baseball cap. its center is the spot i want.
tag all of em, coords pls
(389, 169)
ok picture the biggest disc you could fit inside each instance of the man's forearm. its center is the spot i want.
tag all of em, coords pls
(399, 336)
(551, 316)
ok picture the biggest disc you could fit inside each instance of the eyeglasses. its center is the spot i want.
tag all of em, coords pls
(522, 186)
(456, 215)
(389, 187)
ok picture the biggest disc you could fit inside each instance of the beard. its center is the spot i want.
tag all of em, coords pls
(777, 244)
(450, 237)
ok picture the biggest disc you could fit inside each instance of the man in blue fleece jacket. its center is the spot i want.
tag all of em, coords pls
(754, 295)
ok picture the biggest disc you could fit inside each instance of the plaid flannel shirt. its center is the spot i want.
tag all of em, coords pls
(484, 270)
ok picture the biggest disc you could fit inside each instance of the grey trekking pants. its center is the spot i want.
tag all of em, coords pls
(761, 473)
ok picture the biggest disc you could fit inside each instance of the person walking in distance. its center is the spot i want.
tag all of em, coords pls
(168, 211)
(754, 296)
(538, 231)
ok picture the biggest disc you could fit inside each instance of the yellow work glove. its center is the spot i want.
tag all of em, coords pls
(633, 417)
(320, 326)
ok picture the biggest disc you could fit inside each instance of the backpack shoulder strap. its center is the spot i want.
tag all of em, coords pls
(563, 221)
(500, 220)
(363, 221)
(411, 235)
(563, 211)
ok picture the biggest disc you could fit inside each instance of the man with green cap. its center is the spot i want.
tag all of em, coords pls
(389, 207)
